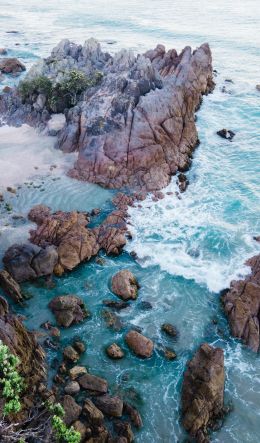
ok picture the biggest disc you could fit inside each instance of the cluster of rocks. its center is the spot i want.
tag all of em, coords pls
(242, 306)
(89, 405)
(61, 241)
(135, 128)
(11, 66)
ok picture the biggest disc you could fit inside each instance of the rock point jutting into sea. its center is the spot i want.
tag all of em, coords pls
(129, 222)
(130, 118)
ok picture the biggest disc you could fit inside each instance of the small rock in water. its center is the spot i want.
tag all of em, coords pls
(71, 354)
(226, 133)
(145, 305)
(125, 285)
(169, 354)
(182, 182)
(10, 189)
(114, 351)
(169, 329)
(11, 66)
(229, 80)
(258, 87)
(116, 304)
(112, 320)
(77, 371)
(79, 346)
(1, 197)
(257, 238)
(139, 344)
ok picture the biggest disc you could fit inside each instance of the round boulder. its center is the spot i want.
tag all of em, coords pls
(139, 344)
(114, 351)
(125, 285)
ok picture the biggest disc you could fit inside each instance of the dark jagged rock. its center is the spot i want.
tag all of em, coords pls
(134, 415)
(27, 261)
(169, 329)
(68, 310)
(136, 127)
(11, 287)
(202, 394)
(125, 285)
(11, 66)
(118, 305)
(115, 352)
(226, 133)
(242, 306)
(182, 182)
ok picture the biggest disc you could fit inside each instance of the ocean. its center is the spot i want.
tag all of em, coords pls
(189, 249)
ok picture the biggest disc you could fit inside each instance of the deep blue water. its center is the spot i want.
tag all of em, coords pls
(188, 249)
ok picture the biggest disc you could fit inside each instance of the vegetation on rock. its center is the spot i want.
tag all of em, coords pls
(62, 433)
(11, 382)
(59, 96)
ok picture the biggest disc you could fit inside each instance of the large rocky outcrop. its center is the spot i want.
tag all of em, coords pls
(136, 127)
(23, 344)
(202, 396)
(242, 306)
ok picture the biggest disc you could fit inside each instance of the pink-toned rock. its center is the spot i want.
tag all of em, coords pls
(11, 66)
(202, 396)
(124, 284)
(242, 306)
(68, 310)
(139, 344)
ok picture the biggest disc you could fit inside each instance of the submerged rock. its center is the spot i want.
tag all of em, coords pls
(11, 287)
(125, 285)
(242, 306)
(139, 344)
(68, 310)
(169, 329)
(202, 397)
(11, 66)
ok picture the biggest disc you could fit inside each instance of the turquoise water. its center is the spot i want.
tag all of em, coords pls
(188, 249)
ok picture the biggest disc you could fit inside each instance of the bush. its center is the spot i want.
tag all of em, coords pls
(61, 95)
(11, 382)
(61, 431)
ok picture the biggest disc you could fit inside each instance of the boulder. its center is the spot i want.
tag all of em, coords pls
(111, 406)
(81, 428)
(39, 213)
(72, 388)
(182, 182)
(93, 384)
(124, 284)
(93, 414)
(115, 352)
(139, 344)
(77, 371)
(68, 310)
(79, 346)
(133, 414)
(10, 287)
(242, 306)
(28, 262)
(169, 329)
(11, 66)
(69, 353)
(202, 396)
(72, 410)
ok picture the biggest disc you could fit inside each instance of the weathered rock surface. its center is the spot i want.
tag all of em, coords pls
(11, 287)
(93, 384)
(27, 261)
(139, 344)
(72, 388)
(226, 133)
(125, 285)
(169, 329)
(68, 310)
(135, 128)
(203, 391)
(11, 66)
(134, 415)
(114, 351)
(93, 414)
(77, 371)
(23, 344)
(111, 406)
(242, 306)
(72, 409)
(70, 354)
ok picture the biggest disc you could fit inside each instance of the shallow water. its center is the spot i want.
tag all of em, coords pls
(188, 249)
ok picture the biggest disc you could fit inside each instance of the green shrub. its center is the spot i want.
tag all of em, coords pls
(61, 95)
(38, 85)
(62, 433)
(11, 382)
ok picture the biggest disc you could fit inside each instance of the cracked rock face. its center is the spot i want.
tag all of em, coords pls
(242, 306)
(203, 391)
(135, 128)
